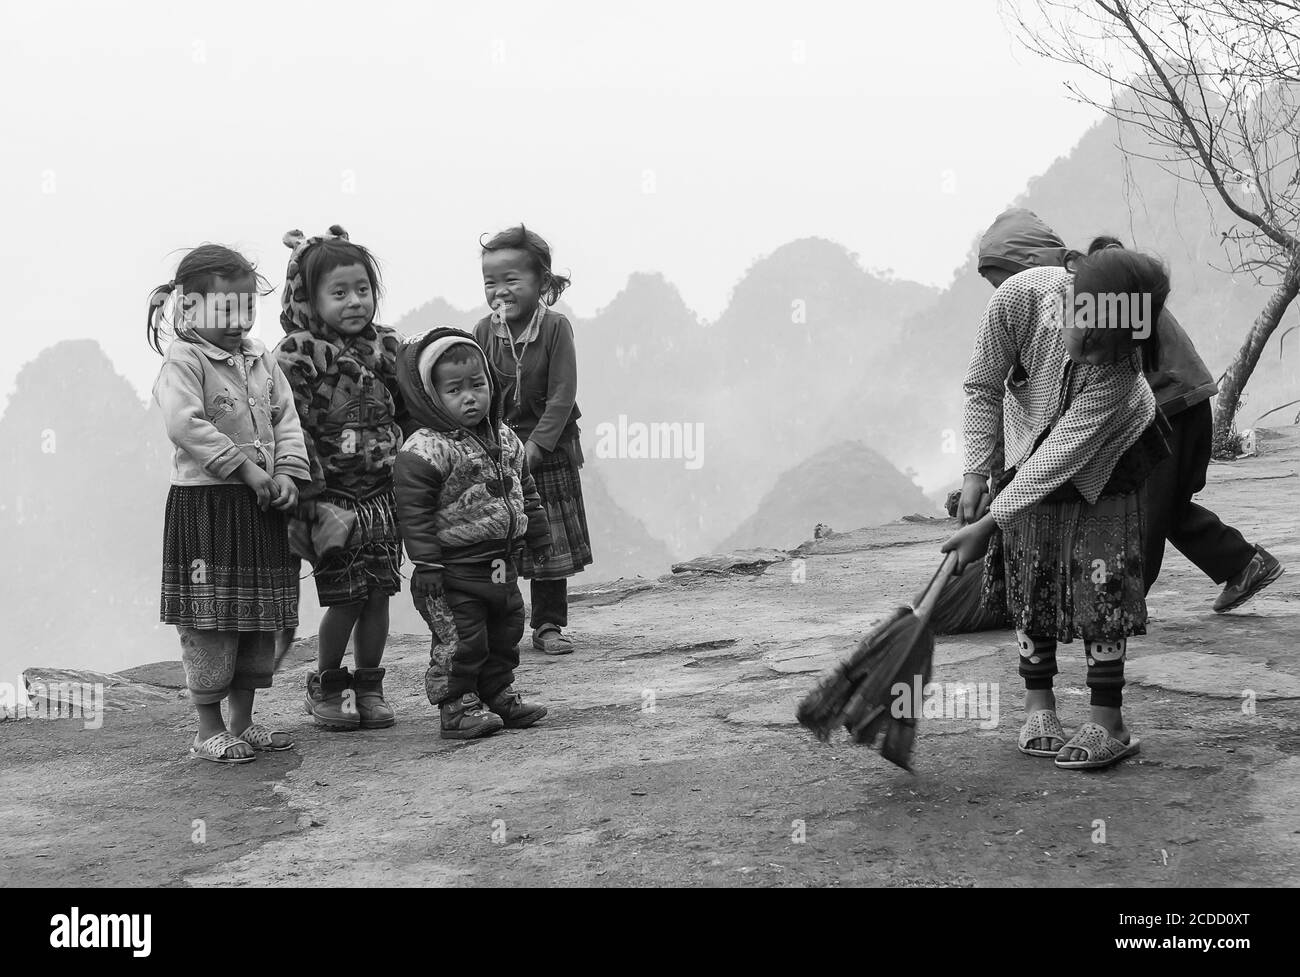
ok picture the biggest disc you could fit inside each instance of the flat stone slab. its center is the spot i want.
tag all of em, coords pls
(1217, 676)
(164, 675)
(67, 692)
(736, 561)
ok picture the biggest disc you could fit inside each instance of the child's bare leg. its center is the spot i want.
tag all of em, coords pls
(371, 631)
(241, 709)
(335, 628)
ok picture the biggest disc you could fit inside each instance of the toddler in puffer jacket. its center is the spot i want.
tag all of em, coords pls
(468, 507)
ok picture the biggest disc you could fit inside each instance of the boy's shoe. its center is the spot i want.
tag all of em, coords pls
(330, 702)
(1261, 571)
(467, 718)
(512, 709)
(368, 684)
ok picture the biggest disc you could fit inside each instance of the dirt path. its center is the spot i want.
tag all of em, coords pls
(671, 755)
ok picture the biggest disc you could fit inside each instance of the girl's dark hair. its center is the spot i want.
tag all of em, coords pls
(1117, 271)
(1103, 241)
(522, 239)
(198, 272)
(324, 256)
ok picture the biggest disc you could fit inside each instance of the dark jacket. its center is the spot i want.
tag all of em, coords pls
(462, 496)
(547, 413)
(1019, 240)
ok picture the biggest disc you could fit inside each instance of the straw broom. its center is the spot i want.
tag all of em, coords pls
(857, 693)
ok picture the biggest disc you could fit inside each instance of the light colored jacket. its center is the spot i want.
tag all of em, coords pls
(222, 408)
(1109, 408)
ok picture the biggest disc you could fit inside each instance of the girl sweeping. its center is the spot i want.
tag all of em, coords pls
(229, 581)
(531, 352)
(1056, 382)
(342, 368)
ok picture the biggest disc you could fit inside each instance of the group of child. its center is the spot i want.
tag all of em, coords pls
(464, 448)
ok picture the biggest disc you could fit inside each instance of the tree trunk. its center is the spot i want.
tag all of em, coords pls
(1243, 364)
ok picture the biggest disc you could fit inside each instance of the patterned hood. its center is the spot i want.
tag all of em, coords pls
(295, 304)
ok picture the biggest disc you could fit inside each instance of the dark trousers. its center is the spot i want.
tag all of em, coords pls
(550, 602)
(489, 623)
(1220, 551)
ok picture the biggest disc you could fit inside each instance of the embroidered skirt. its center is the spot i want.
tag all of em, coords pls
(226, 563)
(373, 561)
(1074, 570)
(560, 488)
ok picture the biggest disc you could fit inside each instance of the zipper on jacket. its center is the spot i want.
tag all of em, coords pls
(510, 531)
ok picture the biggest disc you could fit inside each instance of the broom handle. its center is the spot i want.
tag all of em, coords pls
(924, 604)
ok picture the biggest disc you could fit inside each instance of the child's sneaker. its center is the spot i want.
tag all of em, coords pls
(513, 711)
(330, 701)
(375, 713)
(467, 718)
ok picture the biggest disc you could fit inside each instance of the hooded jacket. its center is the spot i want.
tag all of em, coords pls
(1019, 240)
(345, 389)
(463, 496)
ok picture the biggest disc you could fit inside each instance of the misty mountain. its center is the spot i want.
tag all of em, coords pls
(846, 486)
(1090, 191)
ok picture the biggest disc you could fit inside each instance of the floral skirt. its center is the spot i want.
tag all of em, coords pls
(1075, 570)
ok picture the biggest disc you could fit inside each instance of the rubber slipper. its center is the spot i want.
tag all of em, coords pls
(260, 737)
(214, 748)
(549, 640)
(1102, 749)
(1042, 724)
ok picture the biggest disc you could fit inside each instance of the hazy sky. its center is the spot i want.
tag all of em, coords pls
(683, 137)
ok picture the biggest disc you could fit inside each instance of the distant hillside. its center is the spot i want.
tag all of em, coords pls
(1081, 195)
(846, 486)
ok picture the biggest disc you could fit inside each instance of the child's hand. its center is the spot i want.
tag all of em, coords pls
(973, 489)
(541, 555)
(262, 484)
(534, 455)
(971, 542)
(288, 492)
(426, 583)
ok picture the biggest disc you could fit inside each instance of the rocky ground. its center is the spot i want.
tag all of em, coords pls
(671, 756)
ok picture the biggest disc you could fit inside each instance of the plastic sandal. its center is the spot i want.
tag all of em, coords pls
(214, 748)
(1102, 748)
(548, 639)
(1042, 724)
(260, 738)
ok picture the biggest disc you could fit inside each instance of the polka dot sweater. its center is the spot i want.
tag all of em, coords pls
(1015, 386)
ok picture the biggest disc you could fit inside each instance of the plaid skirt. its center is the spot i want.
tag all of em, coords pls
(373, 561)
(226, 563)
(1073, 570)
(560, 488)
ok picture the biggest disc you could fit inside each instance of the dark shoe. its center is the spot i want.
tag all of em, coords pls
(330, 701)
(467, 718)
(551, 641)
(368, 684)
(513, 711)
(1261, 571)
